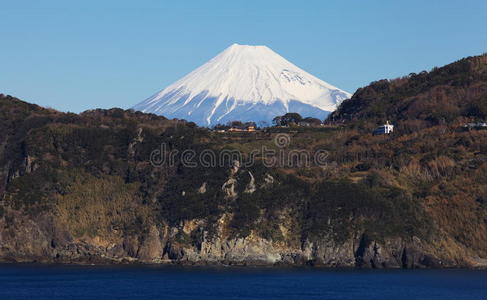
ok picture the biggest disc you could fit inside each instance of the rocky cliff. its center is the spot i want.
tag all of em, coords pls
(43, 239)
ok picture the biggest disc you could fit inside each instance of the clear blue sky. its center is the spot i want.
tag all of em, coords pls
(86, 54)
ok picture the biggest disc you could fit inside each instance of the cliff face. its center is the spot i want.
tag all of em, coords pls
(43, 240)
(93, 188)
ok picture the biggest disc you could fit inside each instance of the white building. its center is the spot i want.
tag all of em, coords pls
(384, 129)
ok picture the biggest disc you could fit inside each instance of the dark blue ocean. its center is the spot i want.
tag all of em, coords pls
(155, 282)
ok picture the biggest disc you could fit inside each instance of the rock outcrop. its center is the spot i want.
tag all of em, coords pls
(42, 240)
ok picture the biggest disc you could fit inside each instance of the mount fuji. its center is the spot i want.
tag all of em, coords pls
(245, 83)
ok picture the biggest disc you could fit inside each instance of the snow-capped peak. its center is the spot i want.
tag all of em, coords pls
(244, 78)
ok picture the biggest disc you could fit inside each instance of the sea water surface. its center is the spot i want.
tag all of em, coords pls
(18, 281)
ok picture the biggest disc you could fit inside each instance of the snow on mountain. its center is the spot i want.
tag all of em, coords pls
(246, 83)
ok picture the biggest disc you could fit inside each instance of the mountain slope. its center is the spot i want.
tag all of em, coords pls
(247, 83)
(443, 95)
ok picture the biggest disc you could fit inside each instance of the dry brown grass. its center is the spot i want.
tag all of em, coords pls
(101, 206)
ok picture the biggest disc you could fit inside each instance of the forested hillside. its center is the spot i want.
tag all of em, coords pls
(85, 188)
(451, 94)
